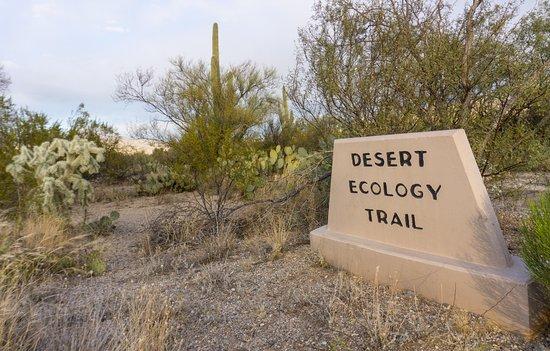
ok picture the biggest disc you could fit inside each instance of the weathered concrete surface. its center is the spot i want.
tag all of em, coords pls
(414, 208)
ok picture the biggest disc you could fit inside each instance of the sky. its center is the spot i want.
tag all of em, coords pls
(60, 53)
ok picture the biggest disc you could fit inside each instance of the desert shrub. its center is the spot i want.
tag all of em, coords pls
(318, 134)
(181, 224)
(103, 226)
(219, 159)
(535, 248)
(93, 264)
(125, 163)
(282, 128)
(240, 94)
(122, 165)
(214, 114)
(286, 224)
(57, 168)
(375, 67)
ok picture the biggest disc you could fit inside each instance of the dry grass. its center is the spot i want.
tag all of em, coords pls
(212, 278)
(148, 323)
(41, 246)
(381, 317)
(278, 235)
(375, 317)
(18, 330)
(44, 245)
(218, 246)
(68, 329)
(143, 322)
(46, 232)
(184, 228)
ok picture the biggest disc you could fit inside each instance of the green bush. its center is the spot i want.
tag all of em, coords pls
(536, 241)
(94, 264)
(120, 166)
(103, 226)
(19, 128)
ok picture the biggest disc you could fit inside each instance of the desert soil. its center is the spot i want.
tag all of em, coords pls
(247, 301)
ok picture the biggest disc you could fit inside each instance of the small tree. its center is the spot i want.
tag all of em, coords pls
(214, 115)
(240, 94)
(57, 169)
(384, 67)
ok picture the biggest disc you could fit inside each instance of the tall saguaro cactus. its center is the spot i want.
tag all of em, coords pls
(215, 73)
(287, 118)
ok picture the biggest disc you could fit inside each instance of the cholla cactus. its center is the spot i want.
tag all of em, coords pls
(58, 167)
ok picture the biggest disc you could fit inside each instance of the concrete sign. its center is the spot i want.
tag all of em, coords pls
(415, 206)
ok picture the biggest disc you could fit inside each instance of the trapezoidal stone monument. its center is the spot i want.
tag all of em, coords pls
(413, 207)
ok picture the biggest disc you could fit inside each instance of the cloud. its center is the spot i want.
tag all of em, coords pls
(115, 29)
(8, 64)
(114, 26)
(44, 9)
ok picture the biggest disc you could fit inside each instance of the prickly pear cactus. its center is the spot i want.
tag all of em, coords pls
(281, 160)
(157, 180)
(58, 168)
(274, 163)
(163, 178)
(104, 225)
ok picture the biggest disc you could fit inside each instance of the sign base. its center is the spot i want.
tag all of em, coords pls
(505, 295)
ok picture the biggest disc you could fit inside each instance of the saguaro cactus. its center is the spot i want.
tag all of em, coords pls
(215, 75)
(287, 117)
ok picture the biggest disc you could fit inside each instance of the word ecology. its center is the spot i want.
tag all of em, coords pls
(401, 158)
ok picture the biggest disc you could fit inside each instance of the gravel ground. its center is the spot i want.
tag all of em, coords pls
(248, 302)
